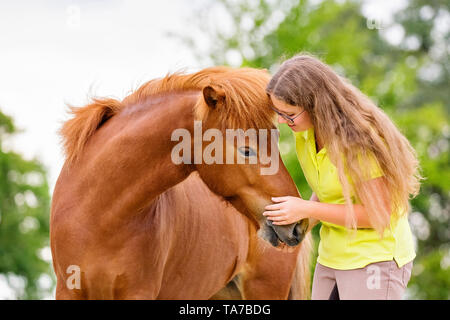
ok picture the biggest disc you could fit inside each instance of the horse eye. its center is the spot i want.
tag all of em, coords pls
(247, 152)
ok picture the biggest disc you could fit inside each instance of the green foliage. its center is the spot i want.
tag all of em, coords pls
(430, 278)
(24, 219)
(409, 81)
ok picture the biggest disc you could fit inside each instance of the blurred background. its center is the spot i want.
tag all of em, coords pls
(55, 53)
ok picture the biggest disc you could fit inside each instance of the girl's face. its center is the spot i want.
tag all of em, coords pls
(302, 122)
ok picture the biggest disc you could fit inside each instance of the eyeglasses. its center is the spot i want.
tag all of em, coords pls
(290, 120)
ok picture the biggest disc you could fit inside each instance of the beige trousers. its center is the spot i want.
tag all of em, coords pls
(377, 281)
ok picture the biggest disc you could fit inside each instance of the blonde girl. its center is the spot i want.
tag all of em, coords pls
(362, 171)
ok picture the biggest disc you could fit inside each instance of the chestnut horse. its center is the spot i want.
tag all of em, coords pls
(129, 223)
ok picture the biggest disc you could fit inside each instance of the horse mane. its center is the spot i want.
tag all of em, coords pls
(246, 103)
(86, 120)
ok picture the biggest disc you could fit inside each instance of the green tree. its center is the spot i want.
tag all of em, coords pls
(409, 80)
(24, 221)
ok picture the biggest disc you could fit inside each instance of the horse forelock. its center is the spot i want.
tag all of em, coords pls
(246, 102)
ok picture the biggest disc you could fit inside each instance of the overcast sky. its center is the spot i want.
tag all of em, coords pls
(58, 52)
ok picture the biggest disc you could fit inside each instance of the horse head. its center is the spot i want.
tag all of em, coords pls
(242, 162)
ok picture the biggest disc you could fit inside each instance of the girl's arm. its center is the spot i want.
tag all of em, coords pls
(288, 210)
(336, 214)
(313, 222)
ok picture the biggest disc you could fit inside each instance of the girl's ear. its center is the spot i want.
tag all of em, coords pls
(213, 95)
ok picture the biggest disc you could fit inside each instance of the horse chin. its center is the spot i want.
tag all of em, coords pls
(291, 234)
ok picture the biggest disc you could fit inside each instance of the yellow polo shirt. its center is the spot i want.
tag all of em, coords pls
(337, 248)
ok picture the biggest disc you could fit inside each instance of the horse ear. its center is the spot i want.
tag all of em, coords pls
(213, 96)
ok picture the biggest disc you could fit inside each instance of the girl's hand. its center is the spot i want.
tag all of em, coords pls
(288, 210)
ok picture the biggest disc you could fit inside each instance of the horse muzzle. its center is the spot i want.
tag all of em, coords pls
(291, 234)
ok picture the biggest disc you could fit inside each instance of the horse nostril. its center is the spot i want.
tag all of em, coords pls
(292, 242)
(299, 232)
(295, 232)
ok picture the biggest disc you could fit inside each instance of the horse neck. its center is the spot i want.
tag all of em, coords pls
(172, 112)
(165, 114)
(138, 158)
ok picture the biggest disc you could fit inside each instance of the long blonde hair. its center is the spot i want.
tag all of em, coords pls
(355, 132)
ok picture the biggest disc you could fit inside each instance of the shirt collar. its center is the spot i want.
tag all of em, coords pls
(306, 134)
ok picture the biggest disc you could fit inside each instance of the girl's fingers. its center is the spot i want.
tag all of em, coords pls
(280, 199)
(275, 206)
(281, 223)
(278, 218)
(272, 213)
